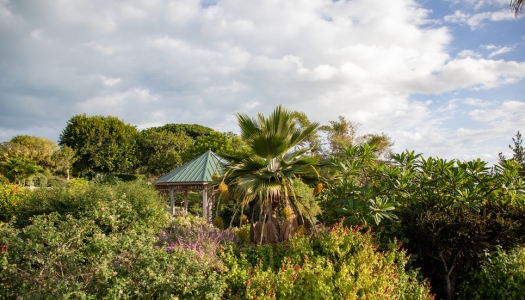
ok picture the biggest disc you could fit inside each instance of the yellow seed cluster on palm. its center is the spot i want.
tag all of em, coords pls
(243, 234)
(215, 177)
(318, 189)
(244, 219)
(218, 222)
(287, 213)
(223, 189)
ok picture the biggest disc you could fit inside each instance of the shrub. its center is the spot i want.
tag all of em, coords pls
(11, 197)
(195, 234)
(113, 208)
(335, 263)
(500, 277)
(58, 257)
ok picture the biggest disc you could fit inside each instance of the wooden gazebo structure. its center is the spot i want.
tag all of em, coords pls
(196, 175)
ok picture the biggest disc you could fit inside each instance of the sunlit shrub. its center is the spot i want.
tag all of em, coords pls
(112, 207)
(334, 263)
(11, 196)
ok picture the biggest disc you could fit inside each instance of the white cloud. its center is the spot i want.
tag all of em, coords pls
(476, 102)
(501, 51)
(469, 53)
(178, 62)
(476, 20)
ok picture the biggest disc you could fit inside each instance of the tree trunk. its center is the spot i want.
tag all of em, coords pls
(449, 279)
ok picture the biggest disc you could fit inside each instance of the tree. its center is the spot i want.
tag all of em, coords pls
(216, 141)
(517, 6)
(267, 175)
(192, 130)
(102, 144)
(19, 169)
(159, 151)
(340, 133)
(314, 140)
(518, 153)
(36, 149)
(454, 211)
(64, 159)
(382, 144)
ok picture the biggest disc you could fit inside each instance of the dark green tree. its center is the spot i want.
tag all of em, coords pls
(192, 130)
(220, 143)
(159, 151)
(102, 144)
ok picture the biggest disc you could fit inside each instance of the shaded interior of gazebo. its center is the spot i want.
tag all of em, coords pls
(196, 175)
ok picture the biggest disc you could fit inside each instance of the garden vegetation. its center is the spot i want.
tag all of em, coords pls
(293, 219)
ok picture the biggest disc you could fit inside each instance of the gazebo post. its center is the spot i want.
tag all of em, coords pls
(172, 199)
(186, 201)
(205, 203)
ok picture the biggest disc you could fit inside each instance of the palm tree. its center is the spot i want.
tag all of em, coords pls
(267, 175)
(517, 6)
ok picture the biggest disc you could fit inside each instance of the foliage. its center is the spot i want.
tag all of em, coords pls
(36, 149)
(517, 6)
(342, 132)
(64, 159)
(59, 258)
(102, 144)
(20, 170)
(267, 175)
(159, 151)
(447, 240)
(11, 197)
(216, 141)
(382, 144)
(196, 235)
(357, 189)
(500, 276)
(114, 208)
(518, 154)
(335, 263)
(192, 130)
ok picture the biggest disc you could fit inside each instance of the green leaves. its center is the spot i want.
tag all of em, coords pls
(102, 144)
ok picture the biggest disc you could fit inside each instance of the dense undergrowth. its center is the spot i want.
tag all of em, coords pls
(96, 241)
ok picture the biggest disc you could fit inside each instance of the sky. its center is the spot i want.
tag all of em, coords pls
(443, 78)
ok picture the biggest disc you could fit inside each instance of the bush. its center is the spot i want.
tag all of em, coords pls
(335, 263)
(500, 277)
(58, 257)
(113, 208)
(11, 197)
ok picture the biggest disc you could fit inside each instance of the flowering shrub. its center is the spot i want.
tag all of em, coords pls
(58, 257)
(335, 263)
(195, 234)
(10, 198)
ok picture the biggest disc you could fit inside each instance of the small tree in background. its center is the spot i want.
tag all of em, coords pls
(518, 153)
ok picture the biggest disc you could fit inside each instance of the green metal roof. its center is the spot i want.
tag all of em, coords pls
(200, 169)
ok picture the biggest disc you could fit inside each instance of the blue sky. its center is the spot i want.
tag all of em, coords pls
(443, 78)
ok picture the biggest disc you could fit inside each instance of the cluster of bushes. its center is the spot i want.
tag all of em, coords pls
(94, 241)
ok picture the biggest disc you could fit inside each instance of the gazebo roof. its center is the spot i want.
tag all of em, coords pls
(197, 171)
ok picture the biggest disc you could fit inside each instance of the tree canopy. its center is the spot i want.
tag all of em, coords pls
(102, 144)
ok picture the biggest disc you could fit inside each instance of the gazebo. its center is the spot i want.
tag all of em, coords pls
(195, 175)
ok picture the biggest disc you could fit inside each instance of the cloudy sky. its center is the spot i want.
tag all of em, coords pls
(444, 78)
